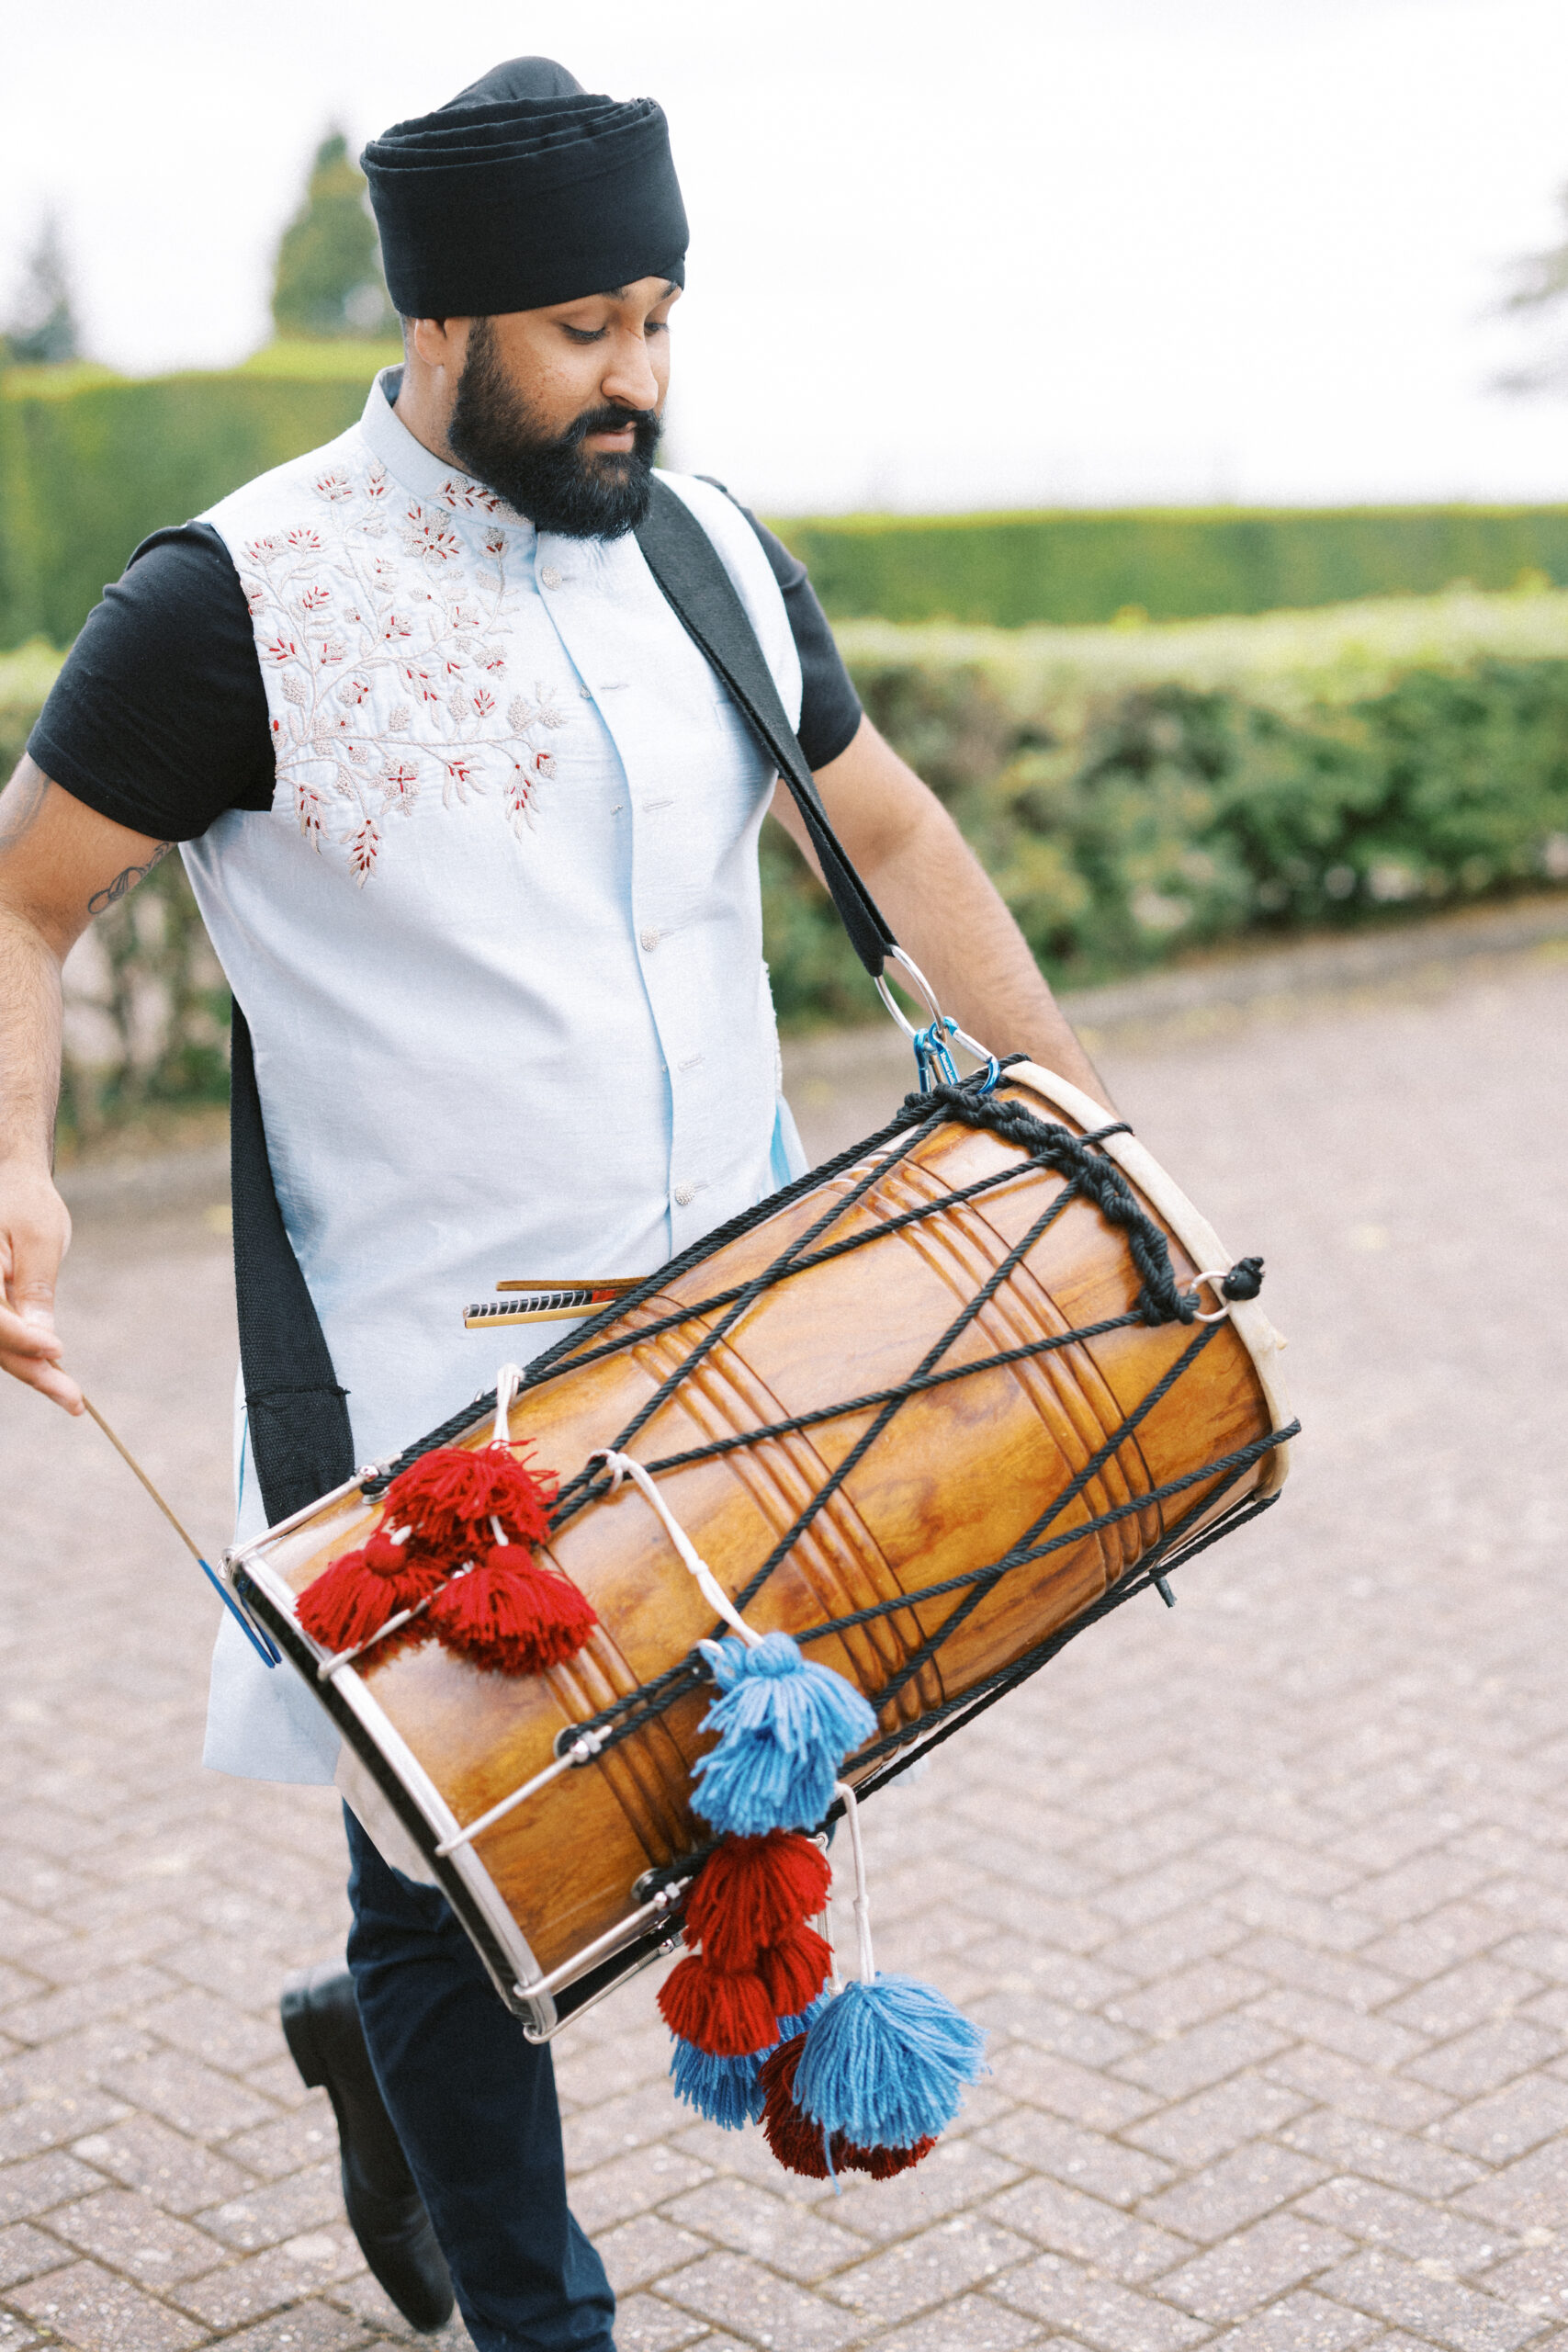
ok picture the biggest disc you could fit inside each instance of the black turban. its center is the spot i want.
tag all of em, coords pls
(521, 191)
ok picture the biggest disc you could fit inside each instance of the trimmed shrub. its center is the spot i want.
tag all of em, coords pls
(1133, 794)
(90, 465)
(1165, 563)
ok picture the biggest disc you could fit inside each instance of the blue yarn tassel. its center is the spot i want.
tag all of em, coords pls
(726, 2090)
(885, 2061)
(785, 1729)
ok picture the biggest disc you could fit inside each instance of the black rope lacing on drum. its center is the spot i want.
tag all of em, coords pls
(1087, 1174)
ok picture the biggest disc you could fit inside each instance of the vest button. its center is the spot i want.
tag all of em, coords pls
(684, 1195)
(549, 577)
(648, 936)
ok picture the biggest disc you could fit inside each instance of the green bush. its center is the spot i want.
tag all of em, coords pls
(1074, 567)
(1133, 792)
(90, 464)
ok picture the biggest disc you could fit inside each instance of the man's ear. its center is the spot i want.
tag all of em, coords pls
(439, 343)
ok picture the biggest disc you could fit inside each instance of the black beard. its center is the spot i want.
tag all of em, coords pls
(554, 482)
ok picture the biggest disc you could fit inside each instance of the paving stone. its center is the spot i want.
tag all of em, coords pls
(1439, 2310)
(42, 2123)
(1253, 2266)
(745, 2155)
(1082, 2159)
(1302, 2322)
(732, 2291)
(1097, 2311)
(308, 2327)
(1198, 2130)
(1512, 2120)
(1041, 2078)
(128, 2233)
(643, 2250)
(33, 2188)
(305, 2136)
(1330, 2025)
(1192, 2060)
(1411, 2225)
(643, 2324)
(87, 2002)
(630, 2184)
(304, 2200)
(974, 2324)
(284, 2274)
(1530, 2195)
(956, 2174)
(192, 2097)
(179, 2174)
(1356, 2090)
(1535, 2283)
(1488, 2058)
(91, 2308)
(1330, 1973)
(1067, 2221)
(933, 2268)
(747, 2219)
(1464, 1997)
(215, 2030)
(24, 2252)
(1241, 2187)
(1419, 2165)
(1170, 2004)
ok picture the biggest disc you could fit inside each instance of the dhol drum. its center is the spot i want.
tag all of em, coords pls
(931, 1411)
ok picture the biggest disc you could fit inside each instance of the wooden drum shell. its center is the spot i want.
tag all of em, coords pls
(959, 1474)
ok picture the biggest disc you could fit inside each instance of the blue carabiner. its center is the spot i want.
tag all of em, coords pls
(931, 1053)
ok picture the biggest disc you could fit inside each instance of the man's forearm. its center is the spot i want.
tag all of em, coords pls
(950, 916)
(31, 1017)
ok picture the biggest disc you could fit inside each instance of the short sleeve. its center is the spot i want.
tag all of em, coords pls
(829, 706)
(158, 717)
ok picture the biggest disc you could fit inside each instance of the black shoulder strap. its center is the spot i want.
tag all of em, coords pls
(300, 1442)
(687, 566)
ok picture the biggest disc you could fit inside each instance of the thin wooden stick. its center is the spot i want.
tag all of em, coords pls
(134, 1466)
(263, 1644)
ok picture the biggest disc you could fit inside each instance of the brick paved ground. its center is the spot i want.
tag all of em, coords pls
(1266, 1901)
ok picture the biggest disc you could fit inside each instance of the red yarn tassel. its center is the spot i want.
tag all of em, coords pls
(510, 1613)
(355, 1597)
(730, 2017)
(795, 2139)
(447, 1496)
(794, 1971)
(882, 2164)
(798, 2142)
(751, 1891)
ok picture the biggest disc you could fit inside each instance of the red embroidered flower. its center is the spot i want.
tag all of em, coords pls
(355, 689)
(314, 597)
(419, 682)
(376, 482)
(308, 808)
(484, 703)
(362, 850)
(307, 541)
(495, 543)
(334, 650)
(543, 764)
(393, 625)
(334, 485)
(280, 649)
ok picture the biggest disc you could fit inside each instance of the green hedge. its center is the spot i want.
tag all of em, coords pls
(1075, 567)
(1133, 792)
(90, 464)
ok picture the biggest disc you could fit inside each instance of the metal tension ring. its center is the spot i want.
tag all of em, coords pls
(1218, 1280)
(920, 986)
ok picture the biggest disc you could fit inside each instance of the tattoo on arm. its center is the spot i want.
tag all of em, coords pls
(127, 879)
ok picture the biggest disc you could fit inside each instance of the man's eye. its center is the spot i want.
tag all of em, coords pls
(582, 334)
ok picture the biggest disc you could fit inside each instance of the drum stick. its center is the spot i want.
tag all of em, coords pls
(264, 1648)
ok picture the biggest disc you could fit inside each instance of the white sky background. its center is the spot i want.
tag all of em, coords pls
(1009, 254)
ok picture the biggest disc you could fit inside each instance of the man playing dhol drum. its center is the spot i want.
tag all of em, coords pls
(473, 827)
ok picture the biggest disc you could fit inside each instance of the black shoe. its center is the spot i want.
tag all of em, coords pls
(386, 2211)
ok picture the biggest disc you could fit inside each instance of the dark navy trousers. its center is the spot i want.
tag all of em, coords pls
(473, 2104)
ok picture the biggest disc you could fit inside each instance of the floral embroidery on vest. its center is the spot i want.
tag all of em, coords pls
(383, 639)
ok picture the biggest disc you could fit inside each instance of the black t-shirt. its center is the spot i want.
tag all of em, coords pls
(158, 717)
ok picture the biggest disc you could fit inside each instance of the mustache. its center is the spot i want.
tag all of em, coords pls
(611, 418)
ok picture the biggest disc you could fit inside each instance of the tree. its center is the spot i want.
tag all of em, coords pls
(42, 328)
(328, 281)
(1540, 288)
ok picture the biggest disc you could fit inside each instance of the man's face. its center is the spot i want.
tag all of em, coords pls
(558, 411)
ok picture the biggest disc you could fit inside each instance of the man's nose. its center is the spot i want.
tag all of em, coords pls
(630, 380)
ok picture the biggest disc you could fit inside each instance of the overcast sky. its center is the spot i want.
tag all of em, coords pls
(1009, 253)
